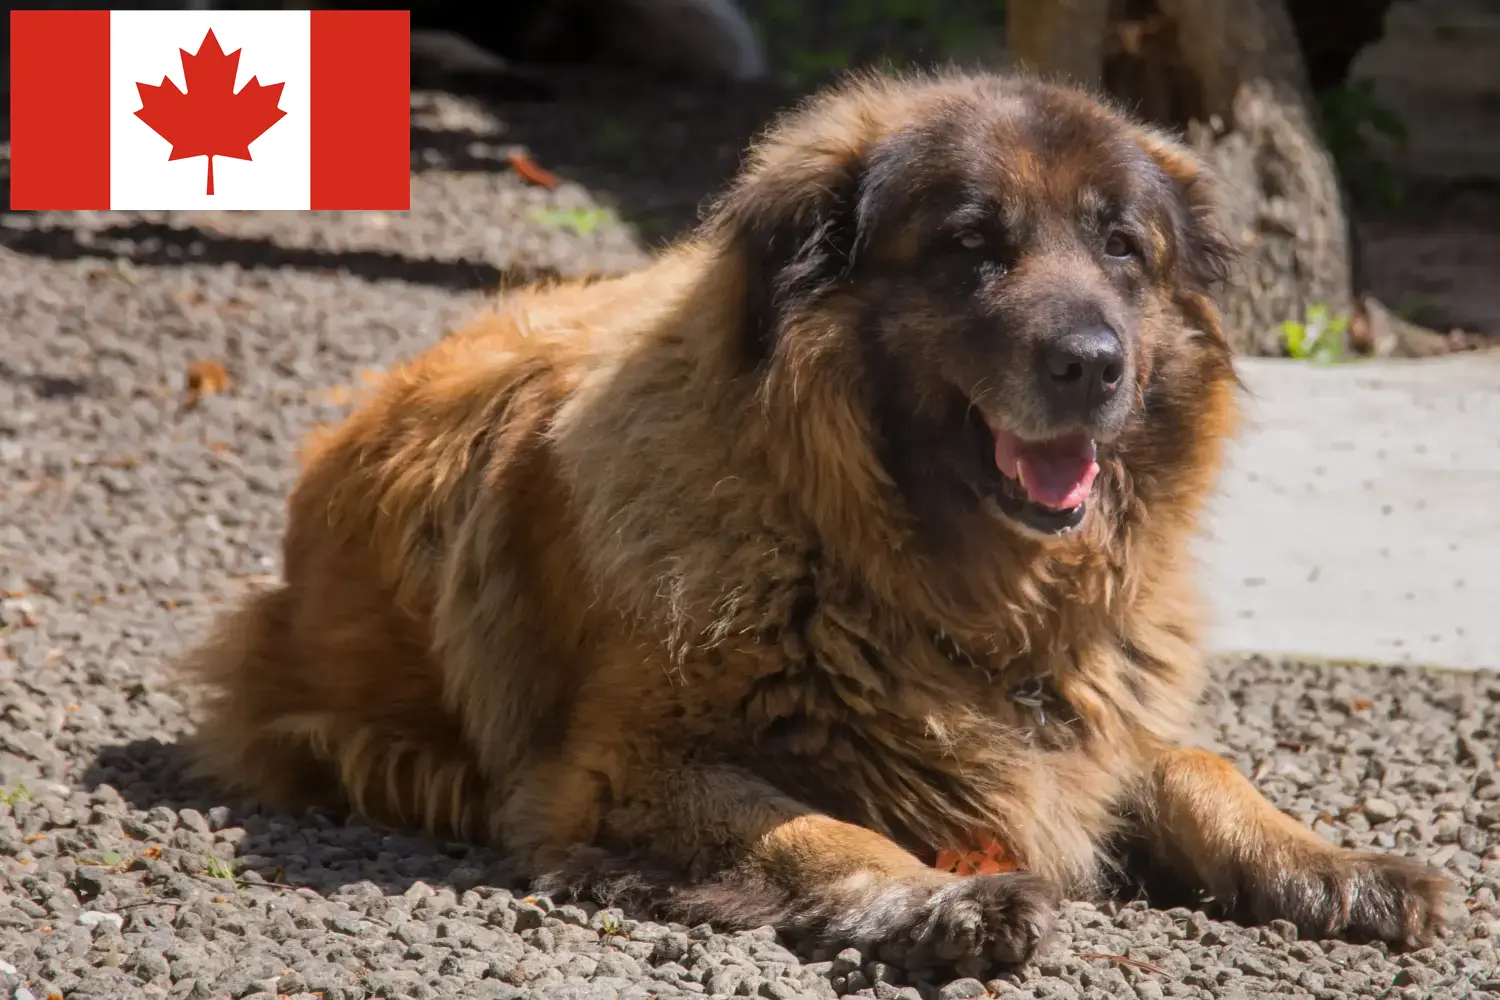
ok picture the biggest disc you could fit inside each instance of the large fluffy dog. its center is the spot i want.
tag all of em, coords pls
(854, 527)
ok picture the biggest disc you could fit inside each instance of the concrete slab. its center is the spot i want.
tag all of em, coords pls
(1359, 517)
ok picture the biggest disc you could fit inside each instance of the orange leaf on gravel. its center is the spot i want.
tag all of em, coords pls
(205, 378)
(532, 172)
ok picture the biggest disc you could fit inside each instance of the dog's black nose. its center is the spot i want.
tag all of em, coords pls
(1082, 369)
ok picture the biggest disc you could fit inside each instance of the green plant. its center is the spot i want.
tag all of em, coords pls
(1418, 309)
(217, 868)
(1352, 116)
(618, 144)
(805, 66)
(810, 42)
(15, 793)
(580, 221)
(1318, 338)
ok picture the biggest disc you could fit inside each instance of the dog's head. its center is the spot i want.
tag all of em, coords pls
(1020, 276)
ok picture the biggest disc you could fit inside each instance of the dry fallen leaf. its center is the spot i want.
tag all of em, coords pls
(1363, 704)
(152, 852)
(531, 171)
(205, 378)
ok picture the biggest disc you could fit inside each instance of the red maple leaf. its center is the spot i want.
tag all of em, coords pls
(210, 119)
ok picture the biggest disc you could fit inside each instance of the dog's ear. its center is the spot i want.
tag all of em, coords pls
(1203, 254)
(792, 221)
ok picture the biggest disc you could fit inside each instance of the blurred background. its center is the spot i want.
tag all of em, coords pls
(1361, 140)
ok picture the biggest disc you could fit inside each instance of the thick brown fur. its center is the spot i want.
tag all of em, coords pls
(687, 569)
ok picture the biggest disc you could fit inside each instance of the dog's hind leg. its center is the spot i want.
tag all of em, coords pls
(331, 716)
(1206, 820)
(401, 780)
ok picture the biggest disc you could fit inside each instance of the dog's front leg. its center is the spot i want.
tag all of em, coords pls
(1206, 818)
(757, 857)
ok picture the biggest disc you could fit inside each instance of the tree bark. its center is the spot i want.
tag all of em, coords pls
(1059, 37)
(1230, 74)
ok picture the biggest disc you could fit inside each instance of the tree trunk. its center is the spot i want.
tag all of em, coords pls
(1064, 37)
(1230, 74)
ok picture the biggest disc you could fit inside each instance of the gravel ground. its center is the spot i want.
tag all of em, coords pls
(129, 510)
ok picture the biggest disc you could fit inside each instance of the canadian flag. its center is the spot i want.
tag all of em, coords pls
(189, 109)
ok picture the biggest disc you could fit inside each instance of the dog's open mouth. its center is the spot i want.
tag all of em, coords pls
(1044, 485)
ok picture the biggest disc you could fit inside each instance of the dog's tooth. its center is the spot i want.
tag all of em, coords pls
(1021, 478)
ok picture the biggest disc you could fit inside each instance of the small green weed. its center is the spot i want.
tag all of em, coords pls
(620, 145)
(1418, 309)
(579, 221)
(217, 868)
(1353, 121)
(1318, 338)
(15, 793)
(811, 42)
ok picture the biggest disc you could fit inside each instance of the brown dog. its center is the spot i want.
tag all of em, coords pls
(853, 528)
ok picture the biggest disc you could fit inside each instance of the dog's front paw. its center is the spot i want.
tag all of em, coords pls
(1001, 919)
(1357, 896)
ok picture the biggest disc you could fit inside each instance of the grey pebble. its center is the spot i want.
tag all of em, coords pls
(962, 989)
(96, 918)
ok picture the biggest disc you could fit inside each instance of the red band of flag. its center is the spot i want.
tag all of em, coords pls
(210, 109)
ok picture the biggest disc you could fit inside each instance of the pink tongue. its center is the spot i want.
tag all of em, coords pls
(1056, 474)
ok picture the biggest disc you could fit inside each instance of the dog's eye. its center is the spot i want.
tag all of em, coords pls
(1119, 244)
(970, 239)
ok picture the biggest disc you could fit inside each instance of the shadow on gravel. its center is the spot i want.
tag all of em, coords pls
(325, 850)
(650, 150)
(156, 244)
(317, 849)
(46, 386)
